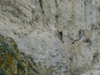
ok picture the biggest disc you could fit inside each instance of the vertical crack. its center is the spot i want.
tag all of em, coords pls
(99, 8)
(41, 5)
(56, 3)
(85, 9)
(85, 3)
(56, 16)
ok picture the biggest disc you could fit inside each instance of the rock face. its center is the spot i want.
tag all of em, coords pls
(34, 25)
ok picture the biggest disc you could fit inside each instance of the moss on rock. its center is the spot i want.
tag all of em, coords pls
(11, 60)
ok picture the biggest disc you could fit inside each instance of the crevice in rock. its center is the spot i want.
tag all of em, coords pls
(99, 8)
(56, 3)
(80, 34)
(85, 10)
(32, 20)
(84, 2)
(41, 5)
(56, 16)
(99, 23)
(33, 69)
(95, 57)
(87, 41)
(93, 27)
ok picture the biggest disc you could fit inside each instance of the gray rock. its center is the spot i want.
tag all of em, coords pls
(42, 25)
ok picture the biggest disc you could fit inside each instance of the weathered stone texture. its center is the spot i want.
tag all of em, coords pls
(34, 25)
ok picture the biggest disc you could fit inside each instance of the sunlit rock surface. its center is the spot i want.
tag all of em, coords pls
(34, 25)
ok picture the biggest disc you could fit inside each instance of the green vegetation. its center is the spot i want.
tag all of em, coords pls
(15, 45)
(43, 11)
(18, 34)
(10, 51)
(19, 65)
(77, 40)
(4, 49)
(41, 4)
(15, 33)
(32, 58)
(16, 73)
(32, 61)
(9, 54)
(7, 64)
(99, 8)
(3, 73)
(2, 54)
(25, 34)
(70, 58)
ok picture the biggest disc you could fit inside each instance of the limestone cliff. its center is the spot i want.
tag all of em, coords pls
(34, 25)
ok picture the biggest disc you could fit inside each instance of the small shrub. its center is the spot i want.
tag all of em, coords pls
(15, 33)
(25, 34)
(33, 61)
(15, 73)
(17, 51)
(70, 58)
(18, 34)
(77, 40)
(32, 58)
(3, 73)
(42, 11)
(13, 55)
(19, 65)
(2, 54)
(15, 45)
(2, 36)
(7, 64)
(2, 42)
(10, 51)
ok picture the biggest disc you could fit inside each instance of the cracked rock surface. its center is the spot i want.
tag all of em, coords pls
(34, 25)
